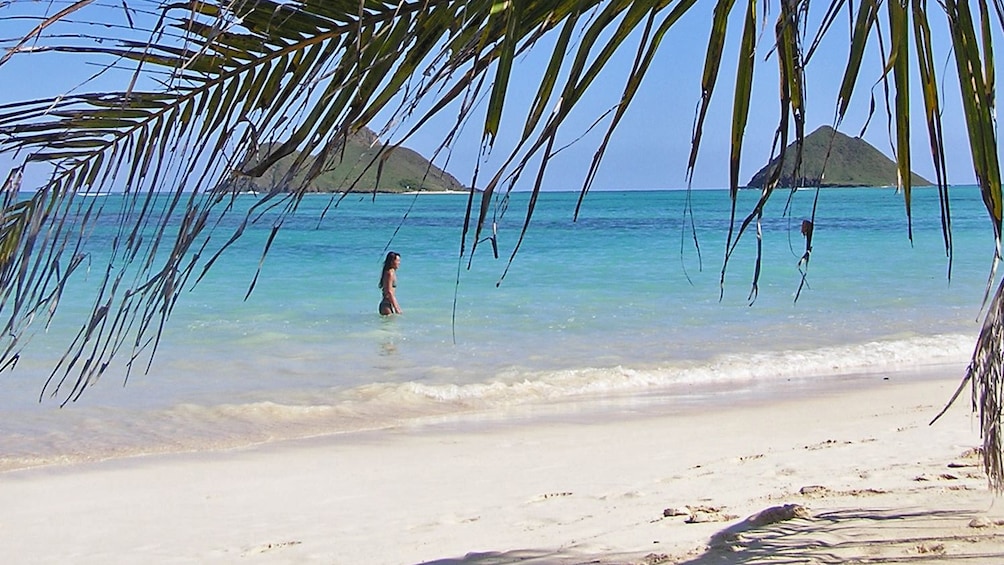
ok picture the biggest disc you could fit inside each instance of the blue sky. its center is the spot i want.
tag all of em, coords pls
(651, 147)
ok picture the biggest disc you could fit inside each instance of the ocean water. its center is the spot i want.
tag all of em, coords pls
(618, 311)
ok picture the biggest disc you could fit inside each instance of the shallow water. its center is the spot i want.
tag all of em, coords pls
(618, 304)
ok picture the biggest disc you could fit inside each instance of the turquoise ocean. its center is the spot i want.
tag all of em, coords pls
(617, 313)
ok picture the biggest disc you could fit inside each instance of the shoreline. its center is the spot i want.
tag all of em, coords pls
(639, 487)
(43, 437)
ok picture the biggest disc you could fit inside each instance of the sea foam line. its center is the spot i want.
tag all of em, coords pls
(515, 386)
(193, 427)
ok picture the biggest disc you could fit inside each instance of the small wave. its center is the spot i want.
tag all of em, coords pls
(191, 427)
(760, 367)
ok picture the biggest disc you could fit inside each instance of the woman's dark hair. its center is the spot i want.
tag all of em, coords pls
(388, 263)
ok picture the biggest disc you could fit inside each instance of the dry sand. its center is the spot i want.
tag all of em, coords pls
(851, 476)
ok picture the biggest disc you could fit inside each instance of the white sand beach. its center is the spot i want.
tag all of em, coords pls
(872, 481)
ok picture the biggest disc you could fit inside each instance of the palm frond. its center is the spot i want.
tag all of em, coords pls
(932, 113)
(899, 63)
(220, 91)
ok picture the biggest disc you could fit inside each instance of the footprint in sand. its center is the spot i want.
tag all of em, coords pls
(968, 458)
(550, 496)
(827, 444)
(699, 514)
(266, 547)
(819, 491)
(984, 522)
(814, 491)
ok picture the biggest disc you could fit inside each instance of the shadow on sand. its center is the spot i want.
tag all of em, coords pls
(859, 536)
(523, 556)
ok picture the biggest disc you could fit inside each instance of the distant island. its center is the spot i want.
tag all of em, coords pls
(852, 162)
(403, 171)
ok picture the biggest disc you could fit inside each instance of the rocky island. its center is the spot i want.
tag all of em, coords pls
(852, 162)
(404, 170)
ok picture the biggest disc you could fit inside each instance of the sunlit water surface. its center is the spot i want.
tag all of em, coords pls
(619, 307)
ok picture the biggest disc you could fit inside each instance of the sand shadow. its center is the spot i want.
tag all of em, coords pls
(523, 556)
(857, 536)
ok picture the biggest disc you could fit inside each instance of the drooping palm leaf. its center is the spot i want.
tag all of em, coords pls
(899, 62)
(788, 31)
(259, 79)
(977, 86)
(646, 52)
(932, 113)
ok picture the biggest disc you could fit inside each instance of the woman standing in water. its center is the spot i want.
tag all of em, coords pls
(388, 283)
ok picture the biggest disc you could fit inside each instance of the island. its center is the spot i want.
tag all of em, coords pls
(404, 170)
(852, 162)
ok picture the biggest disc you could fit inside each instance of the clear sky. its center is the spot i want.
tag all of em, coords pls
(651, 146)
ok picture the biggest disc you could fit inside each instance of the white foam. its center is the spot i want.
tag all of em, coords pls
(82, 434)
(892, 355)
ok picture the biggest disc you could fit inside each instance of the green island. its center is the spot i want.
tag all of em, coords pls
(852, 162)
(404, 170)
